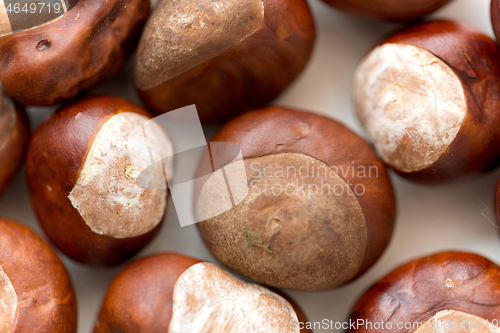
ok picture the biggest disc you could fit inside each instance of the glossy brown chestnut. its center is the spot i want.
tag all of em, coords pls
(320, 207)
(495, 17)
(428, 97)
(83, 168)
(36, 291)
(224, 56)
(57, 60)
(14, 134)
(390, 10)
(445, 292)
(170, 293)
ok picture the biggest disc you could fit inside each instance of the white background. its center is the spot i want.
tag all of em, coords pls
(458, 216)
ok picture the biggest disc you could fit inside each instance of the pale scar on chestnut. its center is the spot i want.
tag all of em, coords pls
(444, 320)
(5, 27)
(206, 298)
(106, 193)
(184, 34)
(282, 212)
(411, 103)
(8, 303)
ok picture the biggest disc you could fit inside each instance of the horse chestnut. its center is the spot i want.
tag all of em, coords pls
(320, 207)
(83, 180)
(225, 56)
(36, 294)
(60, 58)
(14, 134)
(495, 17)
(428, 97)
(445, 292)
(390, 10)
(171, 293)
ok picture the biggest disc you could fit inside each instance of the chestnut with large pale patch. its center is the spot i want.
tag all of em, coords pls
(427, 96)
(172, 293)
(445, 292)
(267, 229)
(209, 299)
(411, 103)
(182, 35)
(320, 206)
(36, 294)
(83, 167)
(106, 193)
(225, 56)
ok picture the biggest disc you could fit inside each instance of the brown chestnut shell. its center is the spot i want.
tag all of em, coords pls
(390, 10)
(56, 152)
(475, 59)
(247, 75)
(495, 17)
(46, 299)
(274, 131)
(417, 290)
(140, 298)
(14, 142)
(56, 61)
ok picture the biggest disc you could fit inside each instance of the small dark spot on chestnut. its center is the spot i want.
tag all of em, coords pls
(43, 45)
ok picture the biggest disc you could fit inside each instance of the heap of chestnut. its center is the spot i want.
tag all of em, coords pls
(319, 209)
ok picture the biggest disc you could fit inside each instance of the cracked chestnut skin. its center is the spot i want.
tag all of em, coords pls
(54, 160)
(248, 75)
(12, 153)
(47, 302)
(87, 45)
(274, 131)
(475, 58)
(390, 10)
(144, 290)
(417, 290)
